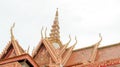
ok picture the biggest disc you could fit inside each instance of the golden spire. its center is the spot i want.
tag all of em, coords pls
(54, 35)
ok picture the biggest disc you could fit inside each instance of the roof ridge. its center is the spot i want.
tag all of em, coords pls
(20, 49)
(115, 44)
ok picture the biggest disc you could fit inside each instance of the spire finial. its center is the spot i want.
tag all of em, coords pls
(11, 31)
(75, 42)
(56, 17)
(57, 12)
(54, 35)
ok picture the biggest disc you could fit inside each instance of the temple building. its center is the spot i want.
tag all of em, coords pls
(51, 52)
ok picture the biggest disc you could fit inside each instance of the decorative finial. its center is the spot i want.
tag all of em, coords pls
(98, 43)
(28, 49)
(54, 35)
(100, 37)
(75, 40)
(56, 17)
(57, 12)
(45, 32)
(95, 50)
(11, 31)
(69, 40)
(41, 32)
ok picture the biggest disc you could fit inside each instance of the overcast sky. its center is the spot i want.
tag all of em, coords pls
(82, 18)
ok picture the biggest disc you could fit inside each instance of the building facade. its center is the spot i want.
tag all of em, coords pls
(51, 52)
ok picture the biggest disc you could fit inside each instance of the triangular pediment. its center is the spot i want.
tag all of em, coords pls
(41, 54)
(51, 48)
(46, 51)
(11, 50)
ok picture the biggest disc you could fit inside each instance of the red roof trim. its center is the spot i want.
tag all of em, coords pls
(17, 58)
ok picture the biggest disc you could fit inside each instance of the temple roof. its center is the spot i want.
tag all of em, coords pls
(82, 56)
(20, 58)
(59, 52)
(18, 49)
(13, 44)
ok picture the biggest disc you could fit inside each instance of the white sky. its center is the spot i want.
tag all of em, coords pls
(82, 18)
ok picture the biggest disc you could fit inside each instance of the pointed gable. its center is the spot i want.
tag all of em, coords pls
(41, 54)
(24, 60)
(51, 49)
(11, 50)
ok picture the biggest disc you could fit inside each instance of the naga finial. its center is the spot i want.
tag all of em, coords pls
(28, 49)
(45, 32)
(100, 37)
(69, 39)
(75, 40)
(11, 31)
(98, 43)
(41, 32)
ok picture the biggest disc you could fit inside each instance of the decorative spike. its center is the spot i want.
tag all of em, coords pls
(56, 16)
(100, 38)
(41, 32)
(45, 32)
(69, 40)
(11, 31)
(28, 49)
(75, 42)
(57, 12)
(95, 50)
(69, 52)
(15, 45)
(54, 35)
(65, 46)
(33, 51)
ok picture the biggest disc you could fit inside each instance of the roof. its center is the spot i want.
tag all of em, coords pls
(35, 51)
(82, 56)
(18, 49)
(20, 58)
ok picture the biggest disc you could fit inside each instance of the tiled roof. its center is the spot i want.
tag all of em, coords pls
(81, 56)
(16, 47)
(19, 58)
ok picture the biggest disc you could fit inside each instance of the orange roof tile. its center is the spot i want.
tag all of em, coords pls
(18, 58)
(81, 56)
(17, 49)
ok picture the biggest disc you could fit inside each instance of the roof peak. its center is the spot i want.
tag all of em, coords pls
(56, 12)
(54, 35)
(14, 42)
